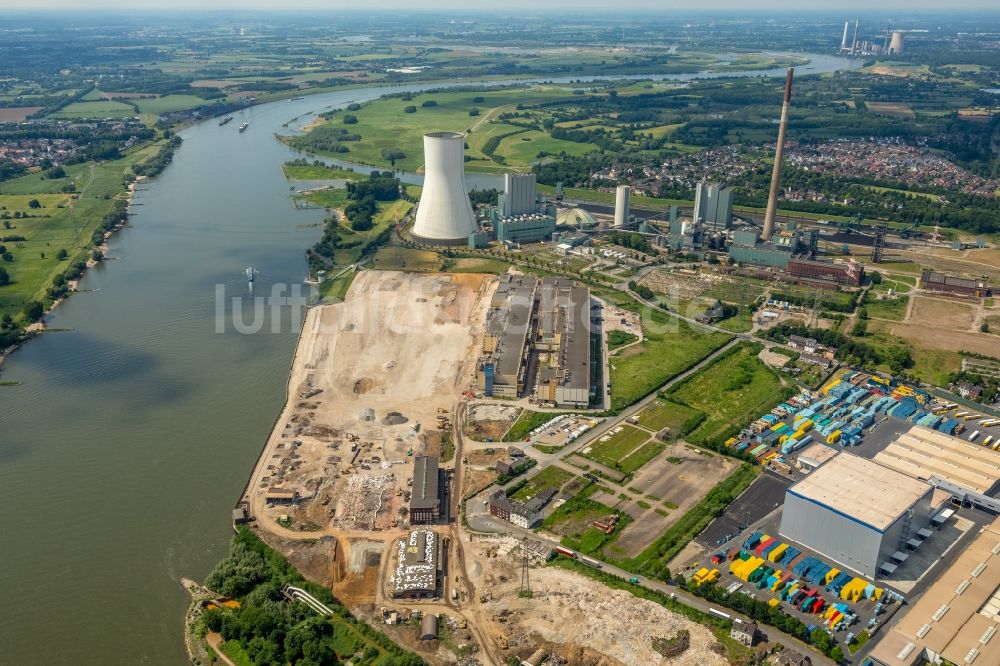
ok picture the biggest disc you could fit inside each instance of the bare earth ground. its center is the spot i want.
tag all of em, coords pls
(682, 485)
(399, 343)
(574, 612)
(955, 315)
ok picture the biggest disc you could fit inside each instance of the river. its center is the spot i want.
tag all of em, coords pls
(131, 433)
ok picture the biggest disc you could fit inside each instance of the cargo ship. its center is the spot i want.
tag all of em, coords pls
(243, 127)
(225, 121)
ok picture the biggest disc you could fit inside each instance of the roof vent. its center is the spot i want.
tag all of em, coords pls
(971, 656)
(979, 569)
(922, 631)
(939, 613)
(996, 549)
(906, 651)
(963, 586)
(987, 635)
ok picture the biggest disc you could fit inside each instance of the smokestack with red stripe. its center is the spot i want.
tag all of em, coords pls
(772, 197)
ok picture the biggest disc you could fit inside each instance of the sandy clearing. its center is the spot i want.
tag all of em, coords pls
(941, 313)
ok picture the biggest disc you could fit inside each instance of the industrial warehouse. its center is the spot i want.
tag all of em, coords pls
(955, 621)
(419, 567)
(857, 512)
(543, 324)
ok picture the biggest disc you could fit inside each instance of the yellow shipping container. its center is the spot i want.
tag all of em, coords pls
(833, 437)
(777, 426)
(773, 602)
(830, 575)
(730, 441)
(776, 553)
(826, 389)
(701, 574)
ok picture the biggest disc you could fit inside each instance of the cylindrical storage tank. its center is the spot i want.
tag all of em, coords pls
(429, 627)
(444, 214)
(622, 196)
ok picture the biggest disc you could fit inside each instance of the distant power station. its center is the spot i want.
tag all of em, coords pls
(444, 215)
(622, 198)
(896, 44)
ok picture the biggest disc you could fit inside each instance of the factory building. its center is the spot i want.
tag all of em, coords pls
(427, 503)
(444, 214)
(419, 568)
(550, 318)
(847, 273)
(531, 228)
(969, 472)
(713, 205)
(519, 194)
(563, 338)
(956, 620)
(503, 362)
(948, 284)
(857, 513)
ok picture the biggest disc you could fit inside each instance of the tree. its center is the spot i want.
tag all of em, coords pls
(33, 310)
(429, 103)
(350, 119)
(410, 109)
(8, 257)
(62, 254)
(875, 277)
(393, 154)
(4, 276)
(984, 327)
(34, 203)
(473, 112)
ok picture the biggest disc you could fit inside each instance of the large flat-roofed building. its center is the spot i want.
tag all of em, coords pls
(502, 365)
(419, 566)
(849, 273)
(949, 284)
(968, 472)
(563, 335)
(957, 619)
(426, 498)
(856, 512)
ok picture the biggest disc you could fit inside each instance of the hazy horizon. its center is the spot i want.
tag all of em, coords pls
(505, 6)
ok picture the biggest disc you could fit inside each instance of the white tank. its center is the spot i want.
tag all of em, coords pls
(444, 213)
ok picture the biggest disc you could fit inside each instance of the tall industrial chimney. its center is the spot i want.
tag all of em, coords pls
(843, 40)
(779, 151)
(445, 213)
(854, 42)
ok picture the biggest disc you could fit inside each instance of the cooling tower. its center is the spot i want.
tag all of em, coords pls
(622, 195)
(896, 44)
(779, 152)
(444, 214)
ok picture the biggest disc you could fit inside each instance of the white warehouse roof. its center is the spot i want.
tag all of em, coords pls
(862, 490)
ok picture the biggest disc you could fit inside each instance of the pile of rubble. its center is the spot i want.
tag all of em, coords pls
(363, 499)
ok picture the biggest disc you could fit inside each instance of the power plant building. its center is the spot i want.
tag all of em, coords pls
(518, 216)
(856, 512)
(713, 205)
(444, 214)
(622, 197)
(519, 194)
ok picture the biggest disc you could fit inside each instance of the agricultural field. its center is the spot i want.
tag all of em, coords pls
(670, 347)
(612, 448)
(731, 392)
(169, 103)
(96, 109)
(895, 109)
(16, 114)
(63, 222)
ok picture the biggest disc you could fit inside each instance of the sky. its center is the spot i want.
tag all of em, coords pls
(506, 6)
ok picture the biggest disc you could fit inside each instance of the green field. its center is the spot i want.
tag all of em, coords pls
(573, 520)
(395, 258)
(888, 308)
(527, 421)
(169, 103)
(641, 456)
(666, 414)
(317, 172)
(98, 109)
(732, 391)
(475, 265)
(616, 447)
(327, 197)
(551, 477)
(65, 222)
(383, 125)
(670, 347)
